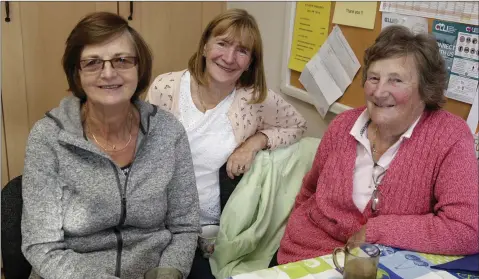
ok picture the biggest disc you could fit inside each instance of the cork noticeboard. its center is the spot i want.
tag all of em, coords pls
(360, 39)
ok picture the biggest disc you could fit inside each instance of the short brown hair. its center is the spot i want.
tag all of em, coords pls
(97, 28)
(398, 41)
(239, 24)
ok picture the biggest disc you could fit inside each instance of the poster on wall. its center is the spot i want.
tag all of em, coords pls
(414, 23)
(458, 44)
(456, 11)
(311, 28)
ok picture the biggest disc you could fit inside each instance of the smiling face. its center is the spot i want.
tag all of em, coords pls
(392, 95)
(226, 59)
(110, 86)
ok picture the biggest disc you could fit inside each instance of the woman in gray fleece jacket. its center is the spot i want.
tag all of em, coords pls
(109, 189)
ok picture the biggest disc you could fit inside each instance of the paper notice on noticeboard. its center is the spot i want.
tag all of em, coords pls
(311, 28)
(331, 70)
(416, 24)
(473, 122)
(357, 14)
(473, 118)
(458, 44)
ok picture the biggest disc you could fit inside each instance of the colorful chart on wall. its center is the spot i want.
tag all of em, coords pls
(453, 11)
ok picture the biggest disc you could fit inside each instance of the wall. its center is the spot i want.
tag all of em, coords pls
(270, 17)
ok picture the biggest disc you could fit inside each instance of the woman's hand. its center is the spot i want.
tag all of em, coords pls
(242, 158)
(240, 161)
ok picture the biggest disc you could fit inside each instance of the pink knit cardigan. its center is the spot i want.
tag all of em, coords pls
(429, 200)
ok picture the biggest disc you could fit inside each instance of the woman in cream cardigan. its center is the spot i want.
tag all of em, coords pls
(226, 109)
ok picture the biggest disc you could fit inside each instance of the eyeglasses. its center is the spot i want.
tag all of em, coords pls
(117, 63)
(377, 177)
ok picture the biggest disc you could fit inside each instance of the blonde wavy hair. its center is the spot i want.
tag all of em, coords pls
(237, 24)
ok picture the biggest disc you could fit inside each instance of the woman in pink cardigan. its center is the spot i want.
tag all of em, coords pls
(227, 111)
(401, 171)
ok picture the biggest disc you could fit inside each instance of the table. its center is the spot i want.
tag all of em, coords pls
(393, 264)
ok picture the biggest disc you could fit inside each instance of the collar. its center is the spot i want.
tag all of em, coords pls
(358, 131)
(360, 126)
(67, 118)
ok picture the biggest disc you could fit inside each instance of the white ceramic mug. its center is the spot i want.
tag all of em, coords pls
(207, 239)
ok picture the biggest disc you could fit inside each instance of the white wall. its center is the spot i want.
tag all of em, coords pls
(270, 17)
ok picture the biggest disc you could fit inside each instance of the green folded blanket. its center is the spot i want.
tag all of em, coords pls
(253, 220)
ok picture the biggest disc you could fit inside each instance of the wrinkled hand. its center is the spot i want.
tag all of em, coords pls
(359, 236)
(242, 158)
(240, 161)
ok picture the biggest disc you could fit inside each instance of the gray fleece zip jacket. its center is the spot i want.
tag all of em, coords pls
(84, 218)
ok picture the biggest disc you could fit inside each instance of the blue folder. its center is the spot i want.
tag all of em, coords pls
(466, 264)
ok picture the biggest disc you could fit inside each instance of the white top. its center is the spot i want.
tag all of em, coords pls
(363, 184)
(211, 141)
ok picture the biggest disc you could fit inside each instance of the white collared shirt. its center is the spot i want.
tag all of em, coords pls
(363, 185)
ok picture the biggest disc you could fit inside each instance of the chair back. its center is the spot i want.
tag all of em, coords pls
(15, 266)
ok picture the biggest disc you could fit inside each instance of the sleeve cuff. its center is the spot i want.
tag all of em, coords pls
(269, 135)
(268, 142)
